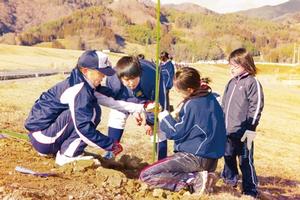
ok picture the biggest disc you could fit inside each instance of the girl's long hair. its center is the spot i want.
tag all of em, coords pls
(243, 58)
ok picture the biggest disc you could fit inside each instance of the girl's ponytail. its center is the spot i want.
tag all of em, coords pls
(189, 77)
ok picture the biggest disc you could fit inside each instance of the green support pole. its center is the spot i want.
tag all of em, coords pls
(156, 81)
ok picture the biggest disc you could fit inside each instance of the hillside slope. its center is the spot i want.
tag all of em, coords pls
(18, 15)
(273, 12)
(189, 32)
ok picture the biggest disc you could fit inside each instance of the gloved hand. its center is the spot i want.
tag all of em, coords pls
(249, 135)
(150, 106)
(116, 148)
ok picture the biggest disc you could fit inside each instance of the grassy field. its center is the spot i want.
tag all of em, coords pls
(22, 58)
(277, 146)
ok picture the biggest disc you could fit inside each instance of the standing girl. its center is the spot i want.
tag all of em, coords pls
(242, 102)
(199, 136)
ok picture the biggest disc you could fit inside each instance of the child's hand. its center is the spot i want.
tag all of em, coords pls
(138, 118)
(175, 113)
(149, 129)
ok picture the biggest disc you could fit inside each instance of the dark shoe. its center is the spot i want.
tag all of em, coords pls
(232, 183)
(253, 194)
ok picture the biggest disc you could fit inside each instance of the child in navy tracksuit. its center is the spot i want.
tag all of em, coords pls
(63, 120)
(199, 136)
(135, 82)
(242, 102)
(167, 71)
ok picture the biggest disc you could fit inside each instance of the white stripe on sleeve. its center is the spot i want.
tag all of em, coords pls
(258, 102)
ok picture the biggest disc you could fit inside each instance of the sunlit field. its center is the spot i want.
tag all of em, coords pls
(277, 145)
(16, 58)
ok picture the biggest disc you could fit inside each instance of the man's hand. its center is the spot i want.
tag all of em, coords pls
(150, 107)
(249, 135)
(138, 118)
(149, 129)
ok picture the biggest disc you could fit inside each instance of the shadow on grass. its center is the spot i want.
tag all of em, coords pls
(269, 188)
(280, 182)
(279, 188)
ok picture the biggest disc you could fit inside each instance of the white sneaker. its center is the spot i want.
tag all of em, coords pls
(212, 179)
(41, 154)
(200, 182)
(62, 159)
(46, 155)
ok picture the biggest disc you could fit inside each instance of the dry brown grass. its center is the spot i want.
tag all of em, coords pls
(277, 146)
(22, 58)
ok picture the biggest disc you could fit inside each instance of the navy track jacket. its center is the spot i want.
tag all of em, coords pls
(242, 102)
(76, 95)
(200, 129)
(145, 91)
(167, 72)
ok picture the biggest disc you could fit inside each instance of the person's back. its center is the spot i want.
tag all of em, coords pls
(168, 71)
(198, 132)
(204, 128)
(49, 105)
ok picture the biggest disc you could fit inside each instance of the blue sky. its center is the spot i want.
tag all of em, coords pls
(225, 6)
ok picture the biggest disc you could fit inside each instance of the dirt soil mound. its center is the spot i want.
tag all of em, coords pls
(79, 180)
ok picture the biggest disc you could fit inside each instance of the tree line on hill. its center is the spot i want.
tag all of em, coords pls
(187, 36)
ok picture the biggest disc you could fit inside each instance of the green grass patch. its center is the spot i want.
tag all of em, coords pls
(13, 134)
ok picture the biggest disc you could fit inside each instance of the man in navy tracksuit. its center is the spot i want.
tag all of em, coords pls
(63, 120)
(167, 72)
(242, 102)
(142, 73)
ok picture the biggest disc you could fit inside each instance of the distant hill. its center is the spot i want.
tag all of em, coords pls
(138, 12)
(273, 12)
(188, 31)
(291, 18)
(18, 15)
(188, 8)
